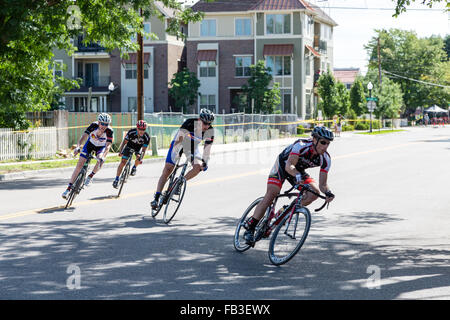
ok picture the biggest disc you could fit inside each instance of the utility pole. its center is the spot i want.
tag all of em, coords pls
(140, 76)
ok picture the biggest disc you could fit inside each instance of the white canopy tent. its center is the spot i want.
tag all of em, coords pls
(435, 109)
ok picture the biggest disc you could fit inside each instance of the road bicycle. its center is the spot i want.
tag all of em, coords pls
(287, 227)
(174, 194)
(78, 185)
(125, 172)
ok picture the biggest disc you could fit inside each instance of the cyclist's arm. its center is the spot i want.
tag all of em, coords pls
(290, 165)
(122, 145)
(323, 185)
(142, 154)
(108, 146)
(82, 140)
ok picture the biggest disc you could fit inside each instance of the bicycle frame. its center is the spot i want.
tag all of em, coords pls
(270, 220)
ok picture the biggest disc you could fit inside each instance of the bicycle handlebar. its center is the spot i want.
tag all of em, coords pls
(306, 187)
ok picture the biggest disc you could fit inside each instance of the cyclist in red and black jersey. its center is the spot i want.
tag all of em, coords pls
(99, 138)
(138, 140)
(291, 165)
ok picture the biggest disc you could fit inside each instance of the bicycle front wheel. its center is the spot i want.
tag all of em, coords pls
(75, 189)
(174, 199)
(289, 236)
(123, 177)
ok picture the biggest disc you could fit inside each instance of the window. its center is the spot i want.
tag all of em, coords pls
(307, 66)
(58, 68)
(208, 101)
(147, 30)
(208, 28)
(242, 66)
(131, 71)
(309, 25)
(207, 69)
(280, 65)
(132, 104)
(278, 23)
(285, 100)
(243, 27)
(325, 32)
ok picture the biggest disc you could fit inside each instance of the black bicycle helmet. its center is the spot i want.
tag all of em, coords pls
(322, 132)
(206, 115)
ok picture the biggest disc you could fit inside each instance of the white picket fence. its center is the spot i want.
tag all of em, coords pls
(33, 144)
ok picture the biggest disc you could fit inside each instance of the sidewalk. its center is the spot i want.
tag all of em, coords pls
(216, 149)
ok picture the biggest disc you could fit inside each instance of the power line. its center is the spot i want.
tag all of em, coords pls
(411, 79)
(390, 9)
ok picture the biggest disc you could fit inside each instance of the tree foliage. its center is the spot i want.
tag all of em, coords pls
(257, 88)
(184, 89)
(30, 30)
(389, 95)
(413, 63)
(401, 5)
(357, 97)
(328, 94)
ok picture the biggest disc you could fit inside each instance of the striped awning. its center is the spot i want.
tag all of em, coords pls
(278, 49)
(206, 55)
(133, 58)
(314, 52)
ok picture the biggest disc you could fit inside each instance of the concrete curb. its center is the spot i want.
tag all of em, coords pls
(217, 149)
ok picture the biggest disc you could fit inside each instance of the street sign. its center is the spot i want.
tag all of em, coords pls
(371, 105)
(371, 99)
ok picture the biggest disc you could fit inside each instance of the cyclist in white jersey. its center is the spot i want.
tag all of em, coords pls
(99, 138)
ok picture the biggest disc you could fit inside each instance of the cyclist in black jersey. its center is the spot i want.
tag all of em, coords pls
(191, 133)
(138, 140)
(291, 165)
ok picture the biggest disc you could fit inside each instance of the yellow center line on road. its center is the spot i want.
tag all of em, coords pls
(123, 197)
(197, 183)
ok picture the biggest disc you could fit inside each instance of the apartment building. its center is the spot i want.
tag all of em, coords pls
(293, 37)
(109, 81)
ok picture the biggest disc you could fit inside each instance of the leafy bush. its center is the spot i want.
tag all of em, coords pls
(348, 127)
(361, 126)
(300, 129)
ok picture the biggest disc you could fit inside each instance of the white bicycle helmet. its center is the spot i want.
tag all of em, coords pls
(206, 115)
(104, 117)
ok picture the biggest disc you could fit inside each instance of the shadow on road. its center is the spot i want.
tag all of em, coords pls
(131, 258)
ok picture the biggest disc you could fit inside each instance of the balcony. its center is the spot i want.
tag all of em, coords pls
(94, 82)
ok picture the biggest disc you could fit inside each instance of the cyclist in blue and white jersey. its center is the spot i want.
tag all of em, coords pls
(187, 139)
(99, 137)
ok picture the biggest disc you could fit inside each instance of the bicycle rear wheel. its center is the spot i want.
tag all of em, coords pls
(239, 241)
(289, 236)
(123, 177)
(174, 200)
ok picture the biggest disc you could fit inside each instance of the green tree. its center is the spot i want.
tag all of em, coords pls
(184, 89)
(357, 97)
(30, 30)
(257, 88)
(401, 5)
(328, 93)
(343, 99)
(418, 65)
(389, 95)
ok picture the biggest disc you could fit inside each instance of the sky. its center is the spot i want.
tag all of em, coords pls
(356, 26)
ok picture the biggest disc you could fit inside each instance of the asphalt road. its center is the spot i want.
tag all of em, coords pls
(386, 235)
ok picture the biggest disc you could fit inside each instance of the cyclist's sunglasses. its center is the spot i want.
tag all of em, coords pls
(207, 123)
(324, 142)
(105, 124)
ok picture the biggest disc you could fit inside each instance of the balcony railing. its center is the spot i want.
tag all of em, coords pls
(99, 81)
(88, 47)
